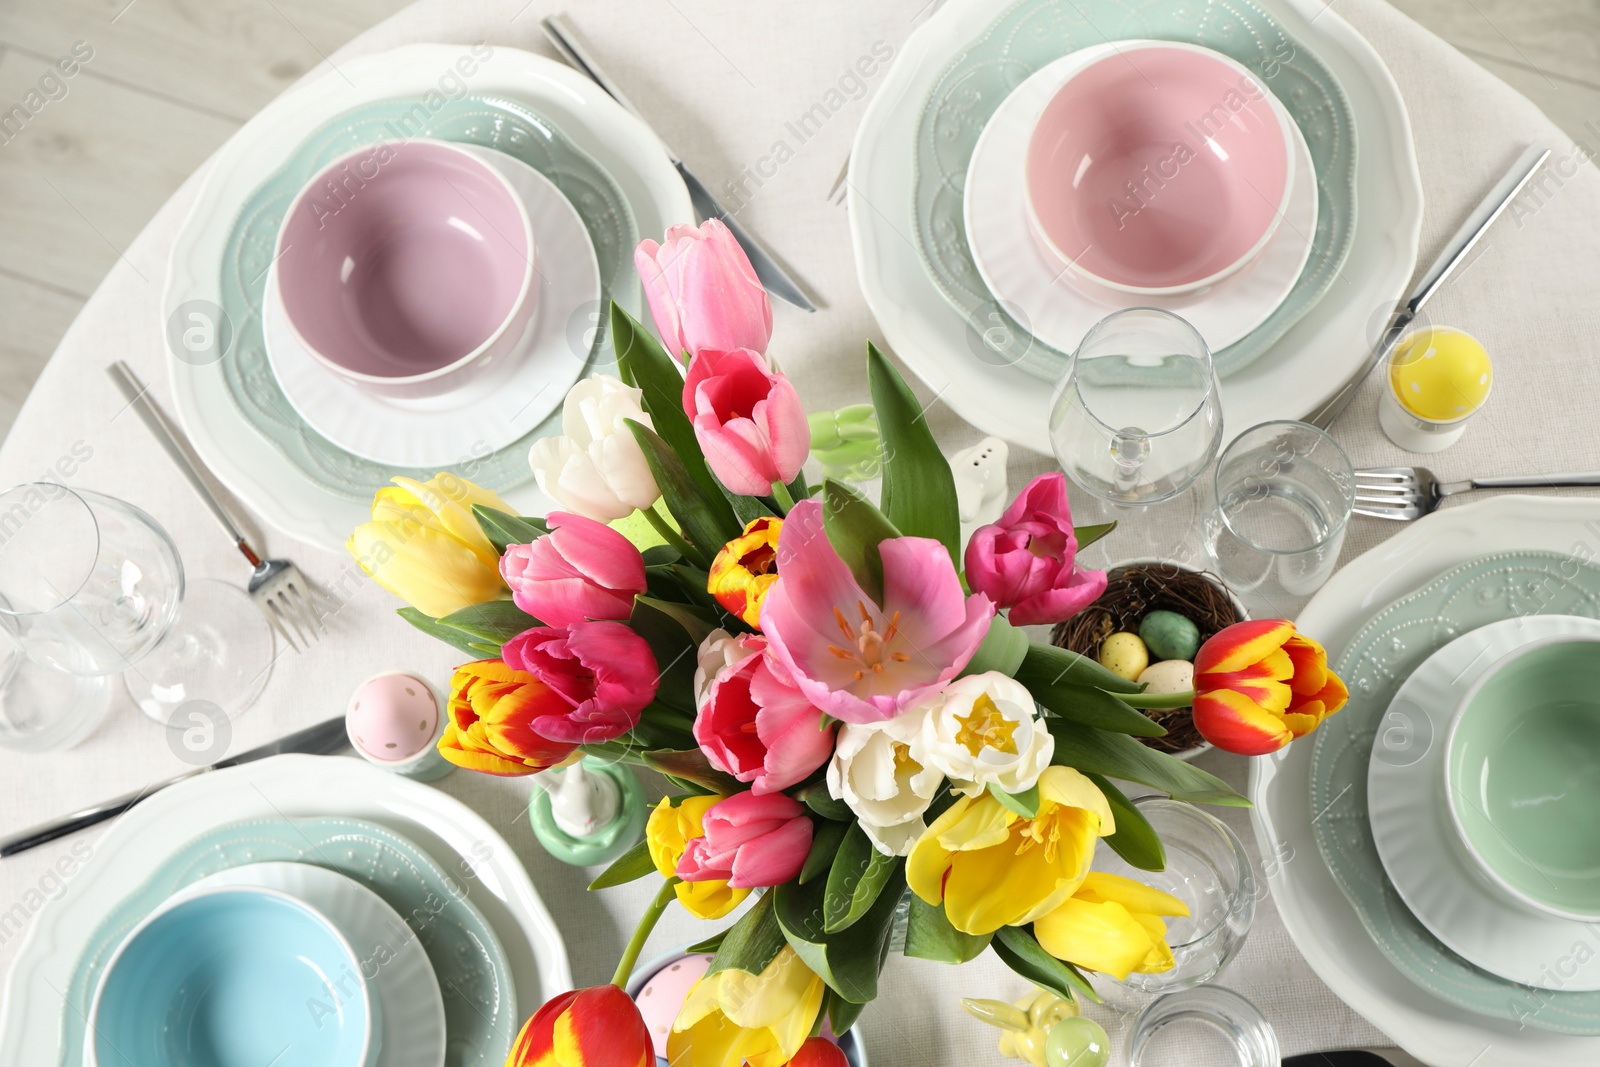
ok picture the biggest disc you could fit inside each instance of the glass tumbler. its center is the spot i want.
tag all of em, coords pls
(1205, 1027)
(1283, 494)
(1209, 870)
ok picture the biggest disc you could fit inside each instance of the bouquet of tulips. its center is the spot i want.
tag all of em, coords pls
(836, 690)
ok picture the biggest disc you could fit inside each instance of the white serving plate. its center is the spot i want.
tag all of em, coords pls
(1319, 919)
(240, 457)
(1060, 309)
(460, 840)
(487, 413)
(1306, 367)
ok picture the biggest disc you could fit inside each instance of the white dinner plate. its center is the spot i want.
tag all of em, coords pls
(1315, 912)
(1412, 828)
(474, 854)
(488, 413)
(245, 461)
(411, 1008)
(1058, 308)
(1311, 362)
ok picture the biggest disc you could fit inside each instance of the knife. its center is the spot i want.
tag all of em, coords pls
(318, 740)
(706, 205)
(1354, 1057)
(1455, 250)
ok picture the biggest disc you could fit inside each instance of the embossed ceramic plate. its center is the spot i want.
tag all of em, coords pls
(1412, 829)
(1383, 655)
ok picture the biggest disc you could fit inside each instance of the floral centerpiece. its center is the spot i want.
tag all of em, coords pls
(831, 687)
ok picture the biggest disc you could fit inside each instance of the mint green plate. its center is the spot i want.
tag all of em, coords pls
(491, 122)
(480, 1002)
(1033, 33)
(1382, 656)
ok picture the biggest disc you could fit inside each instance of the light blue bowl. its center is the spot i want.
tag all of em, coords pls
(233, 977)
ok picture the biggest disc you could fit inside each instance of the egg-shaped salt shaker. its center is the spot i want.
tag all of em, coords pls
(394, 721)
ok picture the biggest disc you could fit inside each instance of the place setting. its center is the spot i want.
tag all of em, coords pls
(702, 726)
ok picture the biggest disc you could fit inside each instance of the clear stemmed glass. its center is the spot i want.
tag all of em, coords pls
(91, 586)
(1135, 420)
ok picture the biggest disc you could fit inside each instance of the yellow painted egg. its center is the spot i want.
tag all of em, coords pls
(1124, 654)
(1440, 374)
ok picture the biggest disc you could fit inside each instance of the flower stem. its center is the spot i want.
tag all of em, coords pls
(1157, 701)
(641, 933)
(780, 493)
(668, 534)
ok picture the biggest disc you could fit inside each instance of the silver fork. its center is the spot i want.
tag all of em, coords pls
(1407, 493)
(276, 585)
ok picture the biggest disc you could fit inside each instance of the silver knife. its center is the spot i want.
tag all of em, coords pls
(706, 205)
(318, 740)
(1455, 250)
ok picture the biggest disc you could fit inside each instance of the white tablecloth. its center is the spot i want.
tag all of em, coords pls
(720, 79)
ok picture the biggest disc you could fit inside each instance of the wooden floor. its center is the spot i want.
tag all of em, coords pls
(156, 85)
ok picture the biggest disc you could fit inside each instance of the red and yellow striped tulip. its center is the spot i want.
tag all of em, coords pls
(746, 568)
(819, 1052)
(492, 709)
(1259, 685)
(595, 1027)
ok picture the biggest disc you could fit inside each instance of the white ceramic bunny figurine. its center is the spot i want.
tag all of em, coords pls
(580, 802)
(980, 473)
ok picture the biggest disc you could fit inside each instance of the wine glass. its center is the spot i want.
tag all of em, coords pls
(91, 586)
(1135, 420)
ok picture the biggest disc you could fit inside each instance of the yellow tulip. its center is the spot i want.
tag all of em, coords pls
(732, 1018)
(992, 867)
(425, 547)
(667, 835)
(1111, 925)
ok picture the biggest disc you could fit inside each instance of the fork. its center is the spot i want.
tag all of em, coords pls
(1407, 493)
(276, 585)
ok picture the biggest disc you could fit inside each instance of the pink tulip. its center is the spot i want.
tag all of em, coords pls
(749, 841)
(603, 671)
(1026, 561)
(752, 722)
(703, 292)
(748, 419)
(856, 659)
(581, 569)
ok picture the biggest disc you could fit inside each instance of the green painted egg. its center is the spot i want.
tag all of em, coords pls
(1077, 1042)
(1170, 635)
(1125, 655)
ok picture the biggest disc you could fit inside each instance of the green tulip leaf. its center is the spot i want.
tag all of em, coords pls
(710, 944)
(491, 623)
(1025, 804)
(842, 1013)
(850, 961)
(1135, 840)
(929, 935)
(1088, 535)
(503, 529)
(919, 490)
(1088, 706)
(692, 766)
(815, 796)
(1021, 951)
(858, 874)
(460, 639)
(660, 556)
(704, 517)
(1003, 649)
(855, 528)
(825, 839)
(752, 942)
(1117, 755)
(1050, 666)
(632, 864)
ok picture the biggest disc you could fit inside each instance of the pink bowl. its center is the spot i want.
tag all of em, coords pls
(407, 268)
(1159, 170)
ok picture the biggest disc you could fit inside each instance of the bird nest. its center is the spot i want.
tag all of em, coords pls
(1132, 592)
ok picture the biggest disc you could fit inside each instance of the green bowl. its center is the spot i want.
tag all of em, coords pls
(1522, 776)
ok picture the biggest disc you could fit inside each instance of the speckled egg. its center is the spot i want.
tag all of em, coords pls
(1124, 654)
(392, 717)
(1169, 635)
(662, 996)
(1168, 676)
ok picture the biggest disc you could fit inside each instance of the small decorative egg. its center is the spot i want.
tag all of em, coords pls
(1440, 374)
(1168, 676)
(392, 717)
(1124, 654)
(1078, 1042)
(1169, 635)
(661, 997)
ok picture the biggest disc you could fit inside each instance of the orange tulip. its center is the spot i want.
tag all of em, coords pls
(595, 1027)
(746, 568)
(1259, 685)
(492, 708)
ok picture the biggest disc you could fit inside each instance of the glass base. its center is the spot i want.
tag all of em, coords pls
(219, 651)
(1169, 532)
(43, 709)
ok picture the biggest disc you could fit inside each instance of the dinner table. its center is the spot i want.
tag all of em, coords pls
(726, 84)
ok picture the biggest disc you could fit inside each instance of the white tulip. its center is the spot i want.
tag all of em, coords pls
(876, 772)
(985, 730)
(596, 468)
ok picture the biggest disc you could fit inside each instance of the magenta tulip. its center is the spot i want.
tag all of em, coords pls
(581, 569)
(749, 841)
(752, 721)
(748, 419)
(604, 673)
(1027, 560)
(703, 292)
(857, 659)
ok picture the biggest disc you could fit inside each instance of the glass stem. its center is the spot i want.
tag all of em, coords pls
(641, 933)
